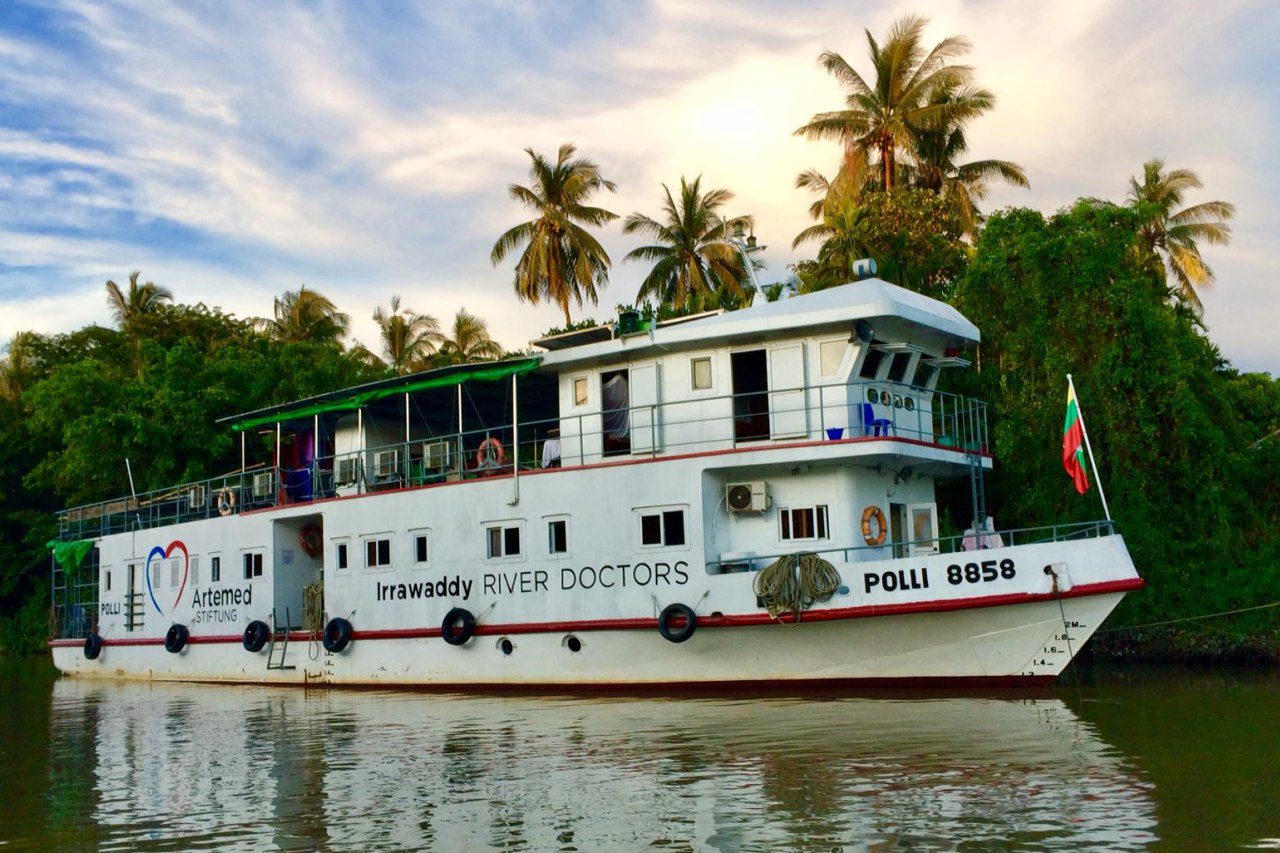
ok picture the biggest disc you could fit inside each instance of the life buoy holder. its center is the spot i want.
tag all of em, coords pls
(459, 625)
(874, 514)
(486, 461)
(670, 613)
(310, 538)
(256, 634)
(337, 635)
(175, 640)
(92, 646)
(226, 502)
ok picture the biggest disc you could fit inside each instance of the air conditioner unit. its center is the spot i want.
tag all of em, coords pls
(386, 463)
(197, 496)
(263, 484)
(347, 472)
(436, 455)
(746, 497)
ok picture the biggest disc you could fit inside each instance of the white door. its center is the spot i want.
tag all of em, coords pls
(646, 411)
(923, 519)
(788, 415)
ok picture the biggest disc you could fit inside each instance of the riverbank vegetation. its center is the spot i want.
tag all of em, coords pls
(1108, 291)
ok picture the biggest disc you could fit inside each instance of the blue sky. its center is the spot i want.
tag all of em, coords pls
(234, 150)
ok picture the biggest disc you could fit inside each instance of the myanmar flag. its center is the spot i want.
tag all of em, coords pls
(1073, 443)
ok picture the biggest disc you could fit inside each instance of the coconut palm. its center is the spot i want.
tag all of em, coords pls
(468, 340)
(883, 117)
(305, 315)
(1173, 238)
(842, 243)
(408, 338)
(18, 365)
(561, 260)
(140, 299)
(692, 257)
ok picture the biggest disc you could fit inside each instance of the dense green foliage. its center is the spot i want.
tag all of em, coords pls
(1174, 429)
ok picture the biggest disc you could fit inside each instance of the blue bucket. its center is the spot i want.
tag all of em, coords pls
(835, 433)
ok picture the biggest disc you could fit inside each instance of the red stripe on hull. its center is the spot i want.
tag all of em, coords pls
(736, 621)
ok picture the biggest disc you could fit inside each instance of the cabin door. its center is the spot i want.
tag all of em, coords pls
(750, 395)
(646, 410)
(788, 414)
(924, 528)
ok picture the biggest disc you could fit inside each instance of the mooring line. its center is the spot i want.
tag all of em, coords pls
(1189, 618)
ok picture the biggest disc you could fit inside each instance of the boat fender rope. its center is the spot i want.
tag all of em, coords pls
(794, 582)
(337, 635)
(685, 631)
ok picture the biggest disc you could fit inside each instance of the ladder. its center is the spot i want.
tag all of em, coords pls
(280, 640)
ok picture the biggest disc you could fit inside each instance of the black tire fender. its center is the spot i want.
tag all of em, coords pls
(337, 635)
(176, 638)
(458, 627)
(92, 646)
(256, 634)
(669, 613)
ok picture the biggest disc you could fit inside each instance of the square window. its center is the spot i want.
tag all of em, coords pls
(673, 527)
(700, 373)
(420, 548)
(215, 569)
(252, 566)
(650, 530)
(503, 541)
(377, 553)
(808, 522)
(580, 391)
(340, 552)
(558, 536)
(830, 355)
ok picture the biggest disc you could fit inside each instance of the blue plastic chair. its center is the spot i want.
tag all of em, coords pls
(871, 425)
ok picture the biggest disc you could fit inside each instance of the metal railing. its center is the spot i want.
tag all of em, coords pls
(852, 411)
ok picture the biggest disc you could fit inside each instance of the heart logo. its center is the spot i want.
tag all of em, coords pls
(164, 553)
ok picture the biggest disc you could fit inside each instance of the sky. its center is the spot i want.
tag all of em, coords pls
(234, 150)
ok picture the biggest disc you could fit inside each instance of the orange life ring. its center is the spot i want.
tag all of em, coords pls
(484, 461)
(310, 540)
(869, 514)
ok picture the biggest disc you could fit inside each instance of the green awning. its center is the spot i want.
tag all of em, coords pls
(70, 555)
(360, 396)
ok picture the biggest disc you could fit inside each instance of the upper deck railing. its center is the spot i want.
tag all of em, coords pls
(840, 412)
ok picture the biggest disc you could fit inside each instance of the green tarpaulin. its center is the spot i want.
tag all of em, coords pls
(70, 554)
(479, 373)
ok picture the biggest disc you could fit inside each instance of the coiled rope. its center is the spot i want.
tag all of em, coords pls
(792, 583)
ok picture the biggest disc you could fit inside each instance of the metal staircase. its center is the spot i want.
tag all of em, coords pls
(279, 640)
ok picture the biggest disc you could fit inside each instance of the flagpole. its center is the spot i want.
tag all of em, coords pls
(1089, 448)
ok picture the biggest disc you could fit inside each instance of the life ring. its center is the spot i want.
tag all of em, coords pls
(337, 635)
(677, 635)
(92, 646)
(256, 634)
(226, 502)
(458, 627)
(876, 514)
(176, 638)
(487, 462)
(310, 539)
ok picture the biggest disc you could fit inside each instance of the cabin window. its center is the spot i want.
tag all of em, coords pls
(377, 553)
(871, 364)
(420, 552)
(155, 575)
(252, 566)
(503, 541)
(808, 522)
(580, 391)
(700, 373)
(664, 528)
(106, 579)
(175, 569)
(340, 555)
(898, 367)
(558, 536)
(925, 374)
(831, 356)
(194, 564)
(215, 569)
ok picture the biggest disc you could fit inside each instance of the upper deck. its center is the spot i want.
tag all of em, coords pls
(856, 365)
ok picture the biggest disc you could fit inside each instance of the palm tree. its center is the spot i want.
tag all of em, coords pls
(408, 338)
(305, 315)
(139, 300)
(885, 116)
(1173, 238)
(18, 365)
(561, 260)
(692, 258)
(468, 341)
(842, 243)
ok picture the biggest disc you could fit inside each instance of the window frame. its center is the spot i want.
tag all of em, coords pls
(662, 512)
(215, 568)
(711, 375)
(343, 556)
(821, 523)
(557, 519)
(414, 535)
(376, 539)
(253, 564)
(847, 348)
(504, 526)
(585, 379)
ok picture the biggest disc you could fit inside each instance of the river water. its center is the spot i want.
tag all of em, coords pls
(1130, 759)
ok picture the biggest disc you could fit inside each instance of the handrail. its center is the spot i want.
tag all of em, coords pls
(792, 414)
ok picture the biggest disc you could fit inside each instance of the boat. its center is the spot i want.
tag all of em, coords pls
(733, 498)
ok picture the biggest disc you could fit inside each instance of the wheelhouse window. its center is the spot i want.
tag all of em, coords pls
(503, 541)
(831, 356)
(252, 566)
(898, 367)
(808, 522)
(700, 373)
(558, 536)
(871, 364)
(377, 553)
(662, 528)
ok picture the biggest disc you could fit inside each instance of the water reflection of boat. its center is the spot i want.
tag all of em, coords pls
(252, 767)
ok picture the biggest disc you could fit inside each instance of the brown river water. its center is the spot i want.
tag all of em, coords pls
(1132, 758)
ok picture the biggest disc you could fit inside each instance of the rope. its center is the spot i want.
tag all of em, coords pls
(1189, 618)
(792, 583)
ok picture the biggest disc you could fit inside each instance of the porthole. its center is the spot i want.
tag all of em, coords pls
(506, 646)
(909, 405)
(572, 643)
(873, 396)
